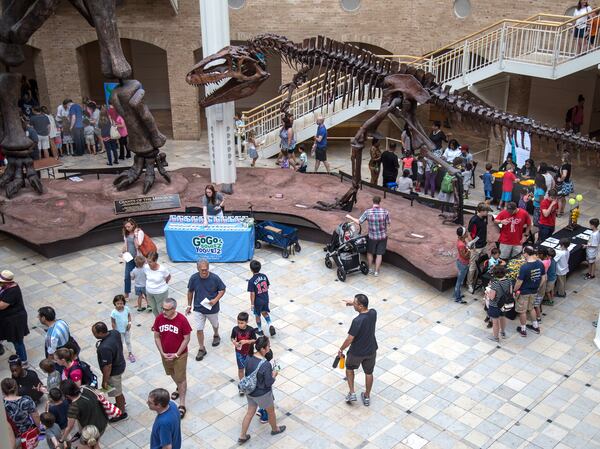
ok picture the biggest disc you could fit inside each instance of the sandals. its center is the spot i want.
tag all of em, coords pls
(182, 411)
(175, 395)
(243, 440)
(216, 340)
(281, 429)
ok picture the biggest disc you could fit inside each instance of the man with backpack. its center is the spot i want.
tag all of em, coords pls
(531, 274)
(58, 334)
(112, 364)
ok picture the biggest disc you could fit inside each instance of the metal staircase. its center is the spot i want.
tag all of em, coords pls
(543, 46)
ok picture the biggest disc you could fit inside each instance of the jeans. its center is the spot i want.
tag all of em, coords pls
(463, 268)
(545, 232)
(129, 266)
(77, 134)
(111, 151)
(430, 182)
(488, 194)
(20, 350)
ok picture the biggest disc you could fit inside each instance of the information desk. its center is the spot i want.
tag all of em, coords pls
(230, 239)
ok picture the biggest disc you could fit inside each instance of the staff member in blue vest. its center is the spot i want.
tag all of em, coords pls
(205, 289)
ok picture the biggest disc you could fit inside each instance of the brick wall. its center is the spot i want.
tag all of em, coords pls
(401, 27)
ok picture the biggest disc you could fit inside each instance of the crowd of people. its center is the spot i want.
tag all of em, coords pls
(74, 130)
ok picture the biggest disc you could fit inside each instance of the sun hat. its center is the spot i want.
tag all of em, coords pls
(6, 276)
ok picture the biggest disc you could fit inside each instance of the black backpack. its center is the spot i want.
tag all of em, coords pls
(506, 301)
(87, 375)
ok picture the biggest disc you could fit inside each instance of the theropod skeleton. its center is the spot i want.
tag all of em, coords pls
(361, 75)
(18, 21)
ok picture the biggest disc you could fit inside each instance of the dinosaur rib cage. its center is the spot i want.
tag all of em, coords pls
(364, 73)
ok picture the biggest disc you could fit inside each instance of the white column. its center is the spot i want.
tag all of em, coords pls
(214, 21)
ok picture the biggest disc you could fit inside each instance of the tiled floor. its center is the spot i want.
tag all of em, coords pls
(439, 382)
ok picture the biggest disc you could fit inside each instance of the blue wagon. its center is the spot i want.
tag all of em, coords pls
(280, 236)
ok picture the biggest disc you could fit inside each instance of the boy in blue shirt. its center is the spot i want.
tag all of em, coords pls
(488, 180)
(258, 286)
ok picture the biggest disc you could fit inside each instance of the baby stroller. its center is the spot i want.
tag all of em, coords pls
(345, 248)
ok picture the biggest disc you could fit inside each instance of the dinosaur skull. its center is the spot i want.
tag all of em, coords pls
(235, 71)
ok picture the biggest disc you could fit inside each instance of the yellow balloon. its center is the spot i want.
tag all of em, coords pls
(579, 197)
(572, 201)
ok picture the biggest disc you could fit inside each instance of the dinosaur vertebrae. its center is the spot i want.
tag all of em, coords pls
(365, 72)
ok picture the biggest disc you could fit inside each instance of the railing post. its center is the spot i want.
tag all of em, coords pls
(502, 46)
(556, 51)
(465, 61)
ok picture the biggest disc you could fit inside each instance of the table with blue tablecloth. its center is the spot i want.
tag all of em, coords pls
(230, 239)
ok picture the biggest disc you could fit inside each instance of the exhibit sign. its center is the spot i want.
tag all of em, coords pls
(146, 203)
(518, 146)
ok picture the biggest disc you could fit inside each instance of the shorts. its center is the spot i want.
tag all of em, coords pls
(265, 401)
(550, 286)
(260, 307)
(376, 247)
(525, 303)
(117, 384)
(67, 139)
(506, 196)
(140, 290)
(591, 254)
(43, 142)
(367, 362)
(200, 320)
(566, 189)
(493, 312)
(321, 154)
(510, 251)
(291, 150)
(579, 32)
(240, 360)
(57, 140)
(89, 140)
(176, 368)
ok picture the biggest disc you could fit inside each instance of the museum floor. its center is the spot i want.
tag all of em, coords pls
(439, 382)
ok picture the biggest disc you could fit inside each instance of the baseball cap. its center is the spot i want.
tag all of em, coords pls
(511, 207)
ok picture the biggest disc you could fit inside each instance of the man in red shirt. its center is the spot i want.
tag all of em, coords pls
(515, 224)
(172, 336)
(547, 220)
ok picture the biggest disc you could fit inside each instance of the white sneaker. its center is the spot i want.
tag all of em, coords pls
(471, 289)
(376, 273)
(371, 271)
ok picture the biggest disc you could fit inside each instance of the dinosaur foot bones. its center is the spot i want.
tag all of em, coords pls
(145, 162)
(20, 169)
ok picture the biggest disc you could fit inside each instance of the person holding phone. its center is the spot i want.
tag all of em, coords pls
(362, 347)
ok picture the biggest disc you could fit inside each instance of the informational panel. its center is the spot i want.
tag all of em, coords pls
(146, 203)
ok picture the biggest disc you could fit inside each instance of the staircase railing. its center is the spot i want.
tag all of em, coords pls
(543, 39)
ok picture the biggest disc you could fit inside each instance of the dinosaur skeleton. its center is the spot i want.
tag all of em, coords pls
(402, 88)
(19, 20)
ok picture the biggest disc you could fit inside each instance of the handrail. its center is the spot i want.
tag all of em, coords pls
(536, 40)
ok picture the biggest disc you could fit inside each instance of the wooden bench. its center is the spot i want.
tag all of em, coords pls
(48, 164)
(67, 172)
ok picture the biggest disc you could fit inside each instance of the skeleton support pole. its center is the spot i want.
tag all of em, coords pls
(214, 16)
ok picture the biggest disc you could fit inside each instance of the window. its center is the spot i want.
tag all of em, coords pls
(350, 5)
(462, 8)
(236, 4)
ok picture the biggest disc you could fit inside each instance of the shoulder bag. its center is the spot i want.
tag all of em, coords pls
(248, 384)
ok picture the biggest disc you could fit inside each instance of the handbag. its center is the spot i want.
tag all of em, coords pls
(114, 131)
(147, 246)
(29, 438)
(110, 410)
(248, 384)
